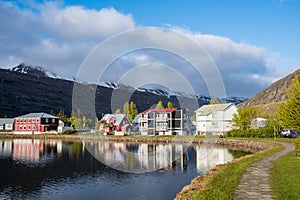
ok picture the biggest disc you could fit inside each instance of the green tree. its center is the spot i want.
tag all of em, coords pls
(159, 105)
(242, 119)
(126, 108)
(61, 115)
(193, 117)
(289, 111)
(79, 121)
(132, 111)
(118, 111)
(214, 101)
(170, 105)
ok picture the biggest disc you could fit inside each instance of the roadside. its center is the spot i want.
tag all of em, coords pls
(222, 181)
(255, 181)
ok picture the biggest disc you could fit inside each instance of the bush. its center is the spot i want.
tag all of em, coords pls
(68, 132)
(266, 132)
(297, 144)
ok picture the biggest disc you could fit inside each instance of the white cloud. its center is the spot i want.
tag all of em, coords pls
(54, 36)
(59, 37)
(77, 22)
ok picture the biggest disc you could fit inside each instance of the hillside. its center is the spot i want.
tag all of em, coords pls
(26, 89)
(271, 97)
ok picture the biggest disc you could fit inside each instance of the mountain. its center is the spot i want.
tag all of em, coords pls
(25, 89)
(271, 97)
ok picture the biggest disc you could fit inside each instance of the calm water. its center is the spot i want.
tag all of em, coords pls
(57, 169)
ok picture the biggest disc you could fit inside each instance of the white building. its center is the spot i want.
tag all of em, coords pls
(215, 119)
(259, 123)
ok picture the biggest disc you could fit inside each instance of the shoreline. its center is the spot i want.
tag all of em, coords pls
(247, 145)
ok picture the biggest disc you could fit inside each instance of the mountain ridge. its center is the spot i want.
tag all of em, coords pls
(274, 94)
(25, 89)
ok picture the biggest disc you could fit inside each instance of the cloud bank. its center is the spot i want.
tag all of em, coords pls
(59, 37)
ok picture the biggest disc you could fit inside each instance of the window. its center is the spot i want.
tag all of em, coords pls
(21, 127)
(33, 127)
(215, 124)
(29, 120)
(24, 127)
(21, 120)
(53, 120)
(33, 120)
(29, 127)
(25, 120)
(46, 120)
(17, 120)
(37, 120)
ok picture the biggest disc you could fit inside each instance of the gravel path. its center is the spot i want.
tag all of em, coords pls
(255, 181)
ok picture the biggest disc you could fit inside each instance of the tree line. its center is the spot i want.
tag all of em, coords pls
(287, 116)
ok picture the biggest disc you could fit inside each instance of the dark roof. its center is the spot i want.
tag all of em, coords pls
(37, 115)
(6, 121)
(166, 110)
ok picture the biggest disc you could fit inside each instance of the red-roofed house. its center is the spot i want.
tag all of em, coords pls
(35, 123)
(169, 121)
(116, 124)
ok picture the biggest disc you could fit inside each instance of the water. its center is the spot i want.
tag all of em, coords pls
(57, 169)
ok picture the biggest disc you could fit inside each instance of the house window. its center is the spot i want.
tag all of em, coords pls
(33, 120)
(17, 120)
(21, 120)
(21, 127)
(29, 127)
(46, 120)
(24, 127)
(25, 120)
(53, 120)
(215, 124)
(29, 120)
(33, 127)
(37, 120)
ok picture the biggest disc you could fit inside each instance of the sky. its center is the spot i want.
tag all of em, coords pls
(251, 43)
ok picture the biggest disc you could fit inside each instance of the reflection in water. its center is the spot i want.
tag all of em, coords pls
(30, 151)
(60, 169)
(151, 157)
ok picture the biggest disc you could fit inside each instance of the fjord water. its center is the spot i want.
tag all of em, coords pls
(58, 169)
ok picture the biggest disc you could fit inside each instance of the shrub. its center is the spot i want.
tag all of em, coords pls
(266, 132)
(68, 132)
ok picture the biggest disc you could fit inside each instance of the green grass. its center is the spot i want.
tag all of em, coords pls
(223, 184)
(285, 177)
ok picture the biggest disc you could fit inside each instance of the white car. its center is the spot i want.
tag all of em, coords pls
(285, 132)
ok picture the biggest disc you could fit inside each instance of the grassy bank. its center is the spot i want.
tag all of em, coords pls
(285, 177)
(221, 183)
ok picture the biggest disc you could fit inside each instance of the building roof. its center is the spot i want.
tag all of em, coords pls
(107, 117)
(207, 109)
(37, 115)
(166, 110)
(6, 121)
(117, 117)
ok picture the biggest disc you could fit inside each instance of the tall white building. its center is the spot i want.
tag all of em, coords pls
(215, 119)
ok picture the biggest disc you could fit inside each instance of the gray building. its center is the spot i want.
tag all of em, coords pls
(169, 121)
(6, 124)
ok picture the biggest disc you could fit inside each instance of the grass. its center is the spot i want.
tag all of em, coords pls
(223, 183)
(285, 177)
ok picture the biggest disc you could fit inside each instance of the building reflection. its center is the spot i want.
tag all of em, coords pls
(30, 150)
(151, 157)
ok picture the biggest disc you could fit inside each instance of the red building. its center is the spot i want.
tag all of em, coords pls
(35, 123)
(116, 123)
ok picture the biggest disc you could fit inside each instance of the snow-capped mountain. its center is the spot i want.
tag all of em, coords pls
(33, 70)
(26, 89)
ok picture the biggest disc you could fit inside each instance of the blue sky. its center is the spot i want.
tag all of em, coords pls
(263, 36)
